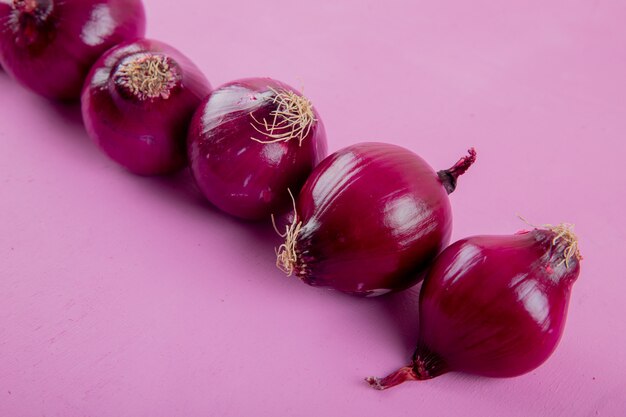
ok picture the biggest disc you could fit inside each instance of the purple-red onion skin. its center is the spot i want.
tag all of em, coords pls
(493, 305)
(241, 176)
(146, 135)
(496, 305)
(52, 53)
(374, 216)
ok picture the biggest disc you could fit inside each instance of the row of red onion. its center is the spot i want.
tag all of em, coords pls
(368, 219)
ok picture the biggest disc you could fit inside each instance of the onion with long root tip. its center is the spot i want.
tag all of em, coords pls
(493, 305)
(252, 140)
(50, 45)
(369, 220)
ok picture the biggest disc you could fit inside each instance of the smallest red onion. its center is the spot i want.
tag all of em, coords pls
(137, 103)
(493, 305)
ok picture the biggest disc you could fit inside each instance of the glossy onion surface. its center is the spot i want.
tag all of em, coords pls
(50, 45)
(370, 218)
(493, 305)
(137, 104)
(251, 142)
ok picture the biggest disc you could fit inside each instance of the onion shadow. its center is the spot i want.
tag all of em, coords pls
(182, 187)
(401, 311)
(67, 111)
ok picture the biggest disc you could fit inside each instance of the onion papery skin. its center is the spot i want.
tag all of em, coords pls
(142, 124)
(370, 219)
(50, 45)
(493, 306)
(238, 167)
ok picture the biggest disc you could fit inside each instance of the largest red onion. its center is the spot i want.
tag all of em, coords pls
(49, 45)
(370, 219)
(493, 305)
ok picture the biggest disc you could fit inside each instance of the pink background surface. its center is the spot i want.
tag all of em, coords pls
(127, 296)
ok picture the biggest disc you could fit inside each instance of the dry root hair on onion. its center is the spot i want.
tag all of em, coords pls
(286, 256)
(563, 231)
(292, 118)
(149, 77)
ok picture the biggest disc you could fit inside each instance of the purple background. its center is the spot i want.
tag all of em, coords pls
(128, 296)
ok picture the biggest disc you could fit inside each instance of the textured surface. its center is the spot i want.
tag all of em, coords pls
(128, 296)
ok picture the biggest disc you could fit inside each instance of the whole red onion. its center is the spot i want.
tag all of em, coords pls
(137, 103)
(49, 45)
(369, 220)
(250, 142)
(493, 305)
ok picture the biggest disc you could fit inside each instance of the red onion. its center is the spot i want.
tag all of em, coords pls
(250, 142)
(493, 305)
(369, 220)
(137, 103)
(49, 45)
